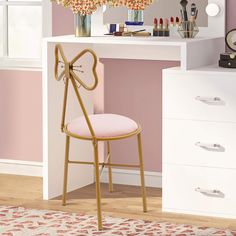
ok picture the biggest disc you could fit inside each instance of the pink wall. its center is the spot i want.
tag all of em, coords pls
(23, 110)
(21, 103)
(21, 115)
(231, 14)
(62, 19)
(134, 88)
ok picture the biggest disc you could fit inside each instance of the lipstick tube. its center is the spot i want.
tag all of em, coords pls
(161, 32)
(166, 31)
(155, 29)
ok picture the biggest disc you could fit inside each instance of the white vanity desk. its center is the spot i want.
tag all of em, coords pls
(195, 177)
(192, 53)
(199, 116)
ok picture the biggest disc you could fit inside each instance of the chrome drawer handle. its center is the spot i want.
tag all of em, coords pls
(211, 193)
(208, 145)
(211, 100)
(211, 147)
(208, 99)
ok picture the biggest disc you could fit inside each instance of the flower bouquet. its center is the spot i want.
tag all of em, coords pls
(84, 8)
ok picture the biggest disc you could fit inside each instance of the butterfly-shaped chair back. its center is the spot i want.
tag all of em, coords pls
(68, 74)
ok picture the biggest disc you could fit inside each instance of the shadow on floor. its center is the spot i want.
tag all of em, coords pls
(120, 191)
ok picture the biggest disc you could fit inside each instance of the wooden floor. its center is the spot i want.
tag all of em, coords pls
(124, 202)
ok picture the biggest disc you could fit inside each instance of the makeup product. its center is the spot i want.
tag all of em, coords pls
(160, 30)
(184, 4)
(196, 14)
(172, 22)
(142, 34)
(127, 33)
(184, 13)
(191, 25)
(133, 23)
(177, 21)
(173, 26)
(193, 9)
(155, 29)
(192, 19)
(121, 27)
(118, 33)
(112, 28)
(166, 31)
(138, 31)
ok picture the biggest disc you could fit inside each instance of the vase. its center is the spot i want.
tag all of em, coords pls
(135, 15)
(82, 25)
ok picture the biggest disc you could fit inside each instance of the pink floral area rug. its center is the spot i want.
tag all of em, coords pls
(18, 221)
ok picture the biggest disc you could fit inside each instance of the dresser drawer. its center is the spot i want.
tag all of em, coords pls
(199, 143)
(199, 190)
(201, 96)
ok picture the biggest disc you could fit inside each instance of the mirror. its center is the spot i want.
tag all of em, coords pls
(231, 40)
(159, 9)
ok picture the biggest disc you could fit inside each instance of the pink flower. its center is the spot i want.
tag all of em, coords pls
(87, 7)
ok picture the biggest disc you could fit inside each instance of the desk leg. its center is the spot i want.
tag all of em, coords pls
(53, 140)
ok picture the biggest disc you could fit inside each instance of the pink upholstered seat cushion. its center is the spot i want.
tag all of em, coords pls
(104, 125)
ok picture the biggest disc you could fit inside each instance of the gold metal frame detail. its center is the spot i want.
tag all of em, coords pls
(71, 76)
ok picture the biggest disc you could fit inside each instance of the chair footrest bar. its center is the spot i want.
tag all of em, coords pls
(103, 164)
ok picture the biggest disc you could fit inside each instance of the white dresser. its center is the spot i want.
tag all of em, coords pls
(199, 141)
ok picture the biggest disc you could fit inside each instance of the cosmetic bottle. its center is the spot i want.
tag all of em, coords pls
(112, 28)
(155, 29)
(121, 28)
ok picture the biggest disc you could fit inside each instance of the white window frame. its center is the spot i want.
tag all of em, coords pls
(5, 61)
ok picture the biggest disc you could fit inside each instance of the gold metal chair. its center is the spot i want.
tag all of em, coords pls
(91, 127)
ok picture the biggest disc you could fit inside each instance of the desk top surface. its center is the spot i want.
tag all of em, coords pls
(168, 41)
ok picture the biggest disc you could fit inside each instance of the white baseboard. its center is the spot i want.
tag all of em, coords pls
(15, 167)
(119, 176)
(132, 177)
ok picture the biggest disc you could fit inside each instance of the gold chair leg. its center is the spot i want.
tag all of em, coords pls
(66, 170)
(109, 167)
(98, 192)
(142, 173)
